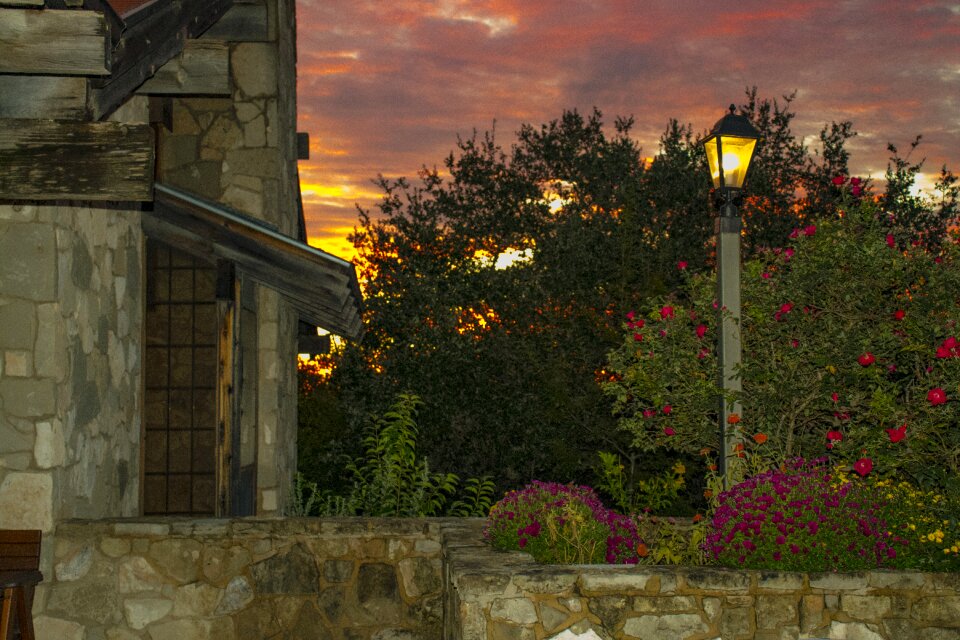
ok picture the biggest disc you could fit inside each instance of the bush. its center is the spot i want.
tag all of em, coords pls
(562, 524)
(802, 518)
(850, 348)
(392, 479)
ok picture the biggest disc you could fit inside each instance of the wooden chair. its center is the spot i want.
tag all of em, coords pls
(19, 574)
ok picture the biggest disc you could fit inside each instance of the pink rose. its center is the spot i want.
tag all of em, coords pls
(701, 330)
(666, 312)
(809, 230)
(863, 466)
(681, 265)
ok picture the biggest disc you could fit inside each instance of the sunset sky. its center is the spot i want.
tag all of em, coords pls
(386, 87)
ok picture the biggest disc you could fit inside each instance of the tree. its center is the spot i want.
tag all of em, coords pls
(507, 358)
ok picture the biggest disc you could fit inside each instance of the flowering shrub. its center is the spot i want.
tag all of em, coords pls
(562, 524)
(802, 518)
(850, 348)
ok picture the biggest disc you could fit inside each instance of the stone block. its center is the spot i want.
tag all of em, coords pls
(896, 580)
(865, 607)
(777, 581)
(711, 607)
(219, 565)
(18, 364)
(252, 162)
(811, 612)
(181, 629)
(49, 448)
(852, 631)
(26, 501)
(735, 623)
(48, 627)
(838, 581)
(612, 581)
(93, 599)
(76, 566)
(611, 609)
(378, 593)
(708, 579)
(254, 67)
(665, 604)
(137, 529)
(937, 610)
(337, 570)
(506, 631)
(546, 581)
(244, 200)
(666, 626)
(179, 558)
(513, 610)
(289, 572)
(420, 576)
(19, 321)
(136, 574)
(255, 132)
(774, 612)
(552, 618)
(178, 151)
(237, 595)
(28, 397)
(114, 547)
(201, 177)
(196, 600)
(224, 133)
(29, 266)
(428, 547)
(13, 440)
(140, 612)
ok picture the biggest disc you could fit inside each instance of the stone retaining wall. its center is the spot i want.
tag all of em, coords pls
(177, 579)
(496, 596)
(426, 579)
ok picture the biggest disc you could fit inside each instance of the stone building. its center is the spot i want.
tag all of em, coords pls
(154, 275)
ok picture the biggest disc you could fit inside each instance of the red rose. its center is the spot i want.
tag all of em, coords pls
(667, 409)
(839, 180)
(681, 265)
(899, 314)
(936, 396)
(809, 230)
(898, 434)
(866, 359)
(834, 435)
(863, 466)
(701, 330)
(666, 312)
(890, 241)
(668, 431)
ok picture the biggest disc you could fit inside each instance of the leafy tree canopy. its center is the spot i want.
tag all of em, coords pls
(507, 359)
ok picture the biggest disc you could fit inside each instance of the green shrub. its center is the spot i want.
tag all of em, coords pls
(391, 479)
(562, 524)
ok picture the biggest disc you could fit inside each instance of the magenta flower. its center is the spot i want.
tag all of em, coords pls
(834, 435)
(866, 359)
(701, 330)
(638, 337)
(669, 431)
(890, 241)
(855, 182)
(835, 397)
(809, 230)
(666, 312)
(839, 180)
(681, 265)
(667, 409)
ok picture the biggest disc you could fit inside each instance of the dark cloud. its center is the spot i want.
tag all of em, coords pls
(387, 87)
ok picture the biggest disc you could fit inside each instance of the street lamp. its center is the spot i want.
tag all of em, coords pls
(730, 148)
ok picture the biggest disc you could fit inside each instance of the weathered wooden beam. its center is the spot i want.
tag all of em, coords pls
(59, 160)
(54, 42)
(148, 44)
(46, 97)
(202, 68)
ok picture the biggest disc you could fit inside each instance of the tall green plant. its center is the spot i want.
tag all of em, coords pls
(392, 479)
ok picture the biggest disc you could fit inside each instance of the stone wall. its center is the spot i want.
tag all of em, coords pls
(241, 151)
(70, 362)
(495, 596)
(176, 579)
(427, 579)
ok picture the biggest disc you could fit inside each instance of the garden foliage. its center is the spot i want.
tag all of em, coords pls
(850, 347)
(392, 479)
(562, 524)
(507, 359)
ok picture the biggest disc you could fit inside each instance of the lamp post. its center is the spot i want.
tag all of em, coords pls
(730, 148)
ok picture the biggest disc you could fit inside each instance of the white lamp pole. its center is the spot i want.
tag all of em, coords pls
(730, 148)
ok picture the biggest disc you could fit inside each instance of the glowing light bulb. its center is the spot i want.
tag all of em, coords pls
(731, 162)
